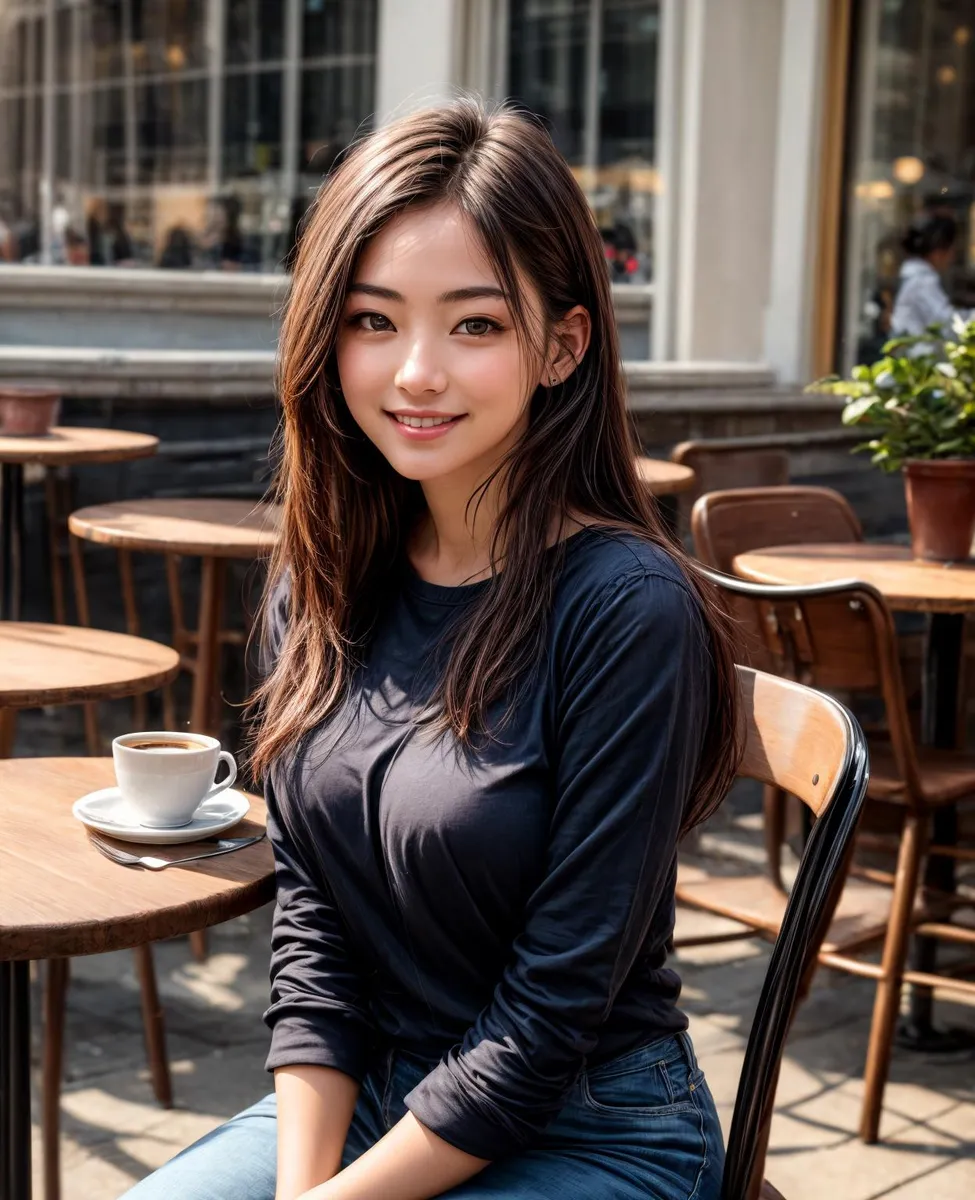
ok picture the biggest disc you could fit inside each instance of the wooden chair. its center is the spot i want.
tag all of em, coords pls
(842, 636)
(720, 463)
(726, 523)
(807, 743)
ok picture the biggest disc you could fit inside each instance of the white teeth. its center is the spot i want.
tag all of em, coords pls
(422, 422)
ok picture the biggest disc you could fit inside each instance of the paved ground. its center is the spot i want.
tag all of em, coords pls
(113, 1133)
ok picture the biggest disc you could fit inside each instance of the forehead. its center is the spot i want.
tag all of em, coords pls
(434, 240)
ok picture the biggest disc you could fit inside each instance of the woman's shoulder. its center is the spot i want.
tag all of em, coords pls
(608, 570)
(602, 555)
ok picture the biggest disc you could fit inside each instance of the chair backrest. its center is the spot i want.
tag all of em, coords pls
(839, 637)
(808, 744)
(722, 463)
(724, 524)
(733, 522)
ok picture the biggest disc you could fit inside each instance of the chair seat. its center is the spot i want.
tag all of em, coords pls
(861, 916)
(946, 775)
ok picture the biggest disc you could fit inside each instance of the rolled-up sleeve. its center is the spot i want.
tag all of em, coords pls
(632, 710)
(318, 1014)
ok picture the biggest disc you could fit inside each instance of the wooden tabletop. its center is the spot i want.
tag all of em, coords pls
(60, 897)
(205, 528)
(905, 583)
(66, 444)
(665, 478)
(67, 664)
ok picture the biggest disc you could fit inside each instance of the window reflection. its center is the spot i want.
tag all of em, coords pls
(589, 69)
(912, 154)
(174, 144)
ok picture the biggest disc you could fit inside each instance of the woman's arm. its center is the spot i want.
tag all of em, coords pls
(315, 1106)
(409, 1163)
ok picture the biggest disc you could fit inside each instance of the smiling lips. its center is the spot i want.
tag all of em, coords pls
(423, 426)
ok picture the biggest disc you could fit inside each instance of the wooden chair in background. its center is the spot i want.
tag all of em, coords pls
(731, 522)
(842, 636)
(805, 742)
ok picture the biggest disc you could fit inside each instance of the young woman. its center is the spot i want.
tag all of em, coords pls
(930, 246)
(496, 697)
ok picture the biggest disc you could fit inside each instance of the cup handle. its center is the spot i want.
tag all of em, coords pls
(228, 758)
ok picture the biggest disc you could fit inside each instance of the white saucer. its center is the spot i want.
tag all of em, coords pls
(106, 811)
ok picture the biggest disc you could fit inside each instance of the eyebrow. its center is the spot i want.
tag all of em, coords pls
(478, 292)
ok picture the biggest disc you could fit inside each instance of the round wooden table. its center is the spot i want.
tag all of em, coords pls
(946, 591)
(60, 898)
(665, 478)
(64, 445)
(211, 530)
(66, 664)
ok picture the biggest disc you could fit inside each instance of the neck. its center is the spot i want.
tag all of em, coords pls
(453, 544)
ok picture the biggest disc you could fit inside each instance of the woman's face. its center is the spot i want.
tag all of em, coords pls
(429, 360)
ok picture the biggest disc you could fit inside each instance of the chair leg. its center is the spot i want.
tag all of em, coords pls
(8, 731)
(92, 736)
(198, 945)
(52, 1072)
(132, 626)
(774, 802)
(207, 645)
(54, 527)
(887, 999)
(154, 1027)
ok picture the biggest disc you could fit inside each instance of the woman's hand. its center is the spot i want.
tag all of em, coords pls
(409, 1163)
(315, 1106)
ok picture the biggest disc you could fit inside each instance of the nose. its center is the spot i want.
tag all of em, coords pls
(420, 372)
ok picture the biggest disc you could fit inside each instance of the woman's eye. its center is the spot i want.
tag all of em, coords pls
(373, 322)
(477, 326)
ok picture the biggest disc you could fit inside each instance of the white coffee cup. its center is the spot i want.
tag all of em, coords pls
(165, 777)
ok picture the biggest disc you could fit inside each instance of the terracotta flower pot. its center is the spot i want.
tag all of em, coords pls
(941, 507)
(27, 412)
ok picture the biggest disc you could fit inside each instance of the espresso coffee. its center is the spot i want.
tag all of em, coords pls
(161, 745)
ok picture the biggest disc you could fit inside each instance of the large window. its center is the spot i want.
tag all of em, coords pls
(589, 68)
(912, 153)
(174, 133)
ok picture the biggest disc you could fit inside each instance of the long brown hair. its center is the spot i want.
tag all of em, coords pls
(347, 514)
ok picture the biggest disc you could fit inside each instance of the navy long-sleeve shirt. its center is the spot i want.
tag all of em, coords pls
(505, 911)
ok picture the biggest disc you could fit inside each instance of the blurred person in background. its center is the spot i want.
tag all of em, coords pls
(930, 246)
(177, 253)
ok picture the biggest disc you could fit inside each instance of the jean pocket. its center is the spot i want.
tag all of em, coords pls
(654, 1081)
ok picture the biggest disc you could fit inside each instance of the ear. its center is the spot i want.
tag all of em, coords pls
(568, 343)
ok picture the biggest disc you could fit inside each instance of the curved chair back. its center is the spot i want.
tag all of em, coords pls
(810, 745)
(724, 524)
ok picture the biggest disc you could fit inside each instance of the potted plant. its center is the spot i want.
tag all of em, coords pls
(918, 403)
(27, 411)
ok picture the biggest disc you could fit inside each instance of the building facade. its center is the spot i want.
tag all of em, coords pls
(750, 163)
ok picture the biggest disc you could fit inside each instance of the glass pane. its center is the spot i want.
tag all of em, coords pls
(171, 131)
(547, 66)
(109, 137)
(912, 158)
(252, 123)
(339, 27)
(169, 36)
(335, 102)
(106, 31)
(255, 30)
(605, 127)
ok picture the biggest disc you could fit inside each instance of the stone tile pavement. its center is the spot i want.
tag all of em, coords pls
(113, 1132)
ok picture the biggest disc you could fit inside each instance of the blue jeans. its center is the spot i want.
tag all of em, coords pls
(640, 1127)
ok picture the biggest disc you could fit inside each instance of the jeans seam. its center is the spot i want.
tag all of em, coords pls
(704, 1145)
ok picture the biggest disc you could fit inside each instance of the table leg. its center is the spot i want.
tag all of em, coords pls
(939, 728)
(11, 540)
(15, 1169)
(207, 643)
